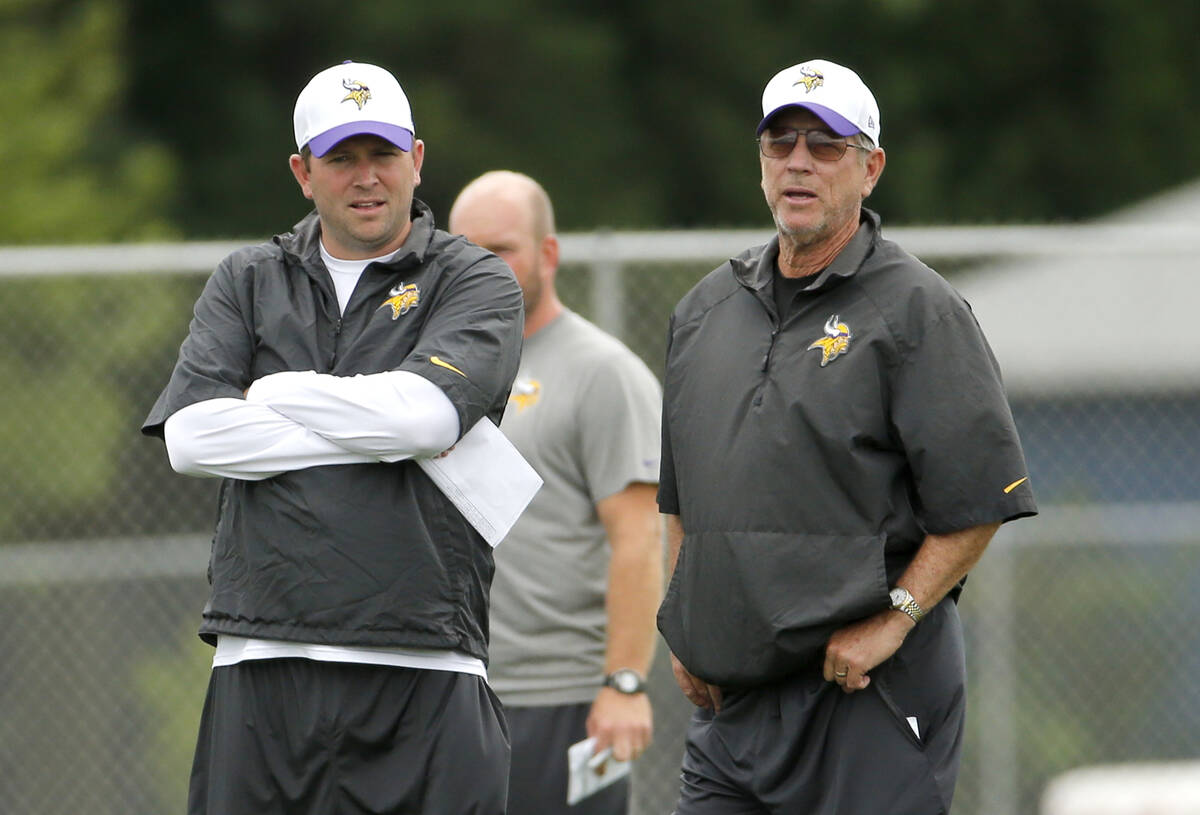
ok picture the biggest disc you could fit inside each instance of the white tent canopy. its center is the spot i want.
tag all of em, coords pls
(1107, 321)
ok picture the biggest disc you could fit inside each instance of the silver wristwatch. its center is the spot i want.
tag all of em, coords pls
(625, 680)
(903, 601)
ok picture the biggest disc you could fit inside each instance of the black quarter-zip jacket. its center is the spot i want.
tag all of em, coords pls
(359, 554)
(808, 456)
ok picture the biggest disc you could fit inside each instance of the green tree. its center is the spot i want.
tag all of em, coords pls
(73, 170)
(639, 114)
(81, 359)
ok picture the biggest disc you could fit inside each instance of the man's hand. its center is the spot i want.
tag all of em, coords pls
(698, 692)
(856, 649)
(622, 721)
(940, 562)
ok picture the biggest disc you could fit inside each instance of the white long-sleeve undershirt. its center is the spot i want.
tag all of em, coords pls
(297, 419)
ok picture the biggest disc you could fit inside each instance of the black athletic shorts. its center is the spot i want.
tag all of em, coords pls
(302, 737)
(538, 782)
(805, 746)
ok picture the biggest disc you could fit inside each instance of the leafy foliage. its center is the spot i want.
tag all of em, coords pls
(74, 170)
(128, 119)
(642, 114)
(75, 353)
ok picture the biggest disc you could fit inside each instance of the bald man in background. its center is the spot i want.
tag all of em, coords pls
(579, 578)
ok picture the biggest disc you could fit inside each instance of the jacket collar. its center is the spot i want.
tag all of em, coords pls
(303, 243)
(755, 268)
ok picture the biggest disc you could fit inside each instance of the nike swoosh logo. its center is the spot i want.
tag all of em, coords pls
(1015, 484)
(436, 360)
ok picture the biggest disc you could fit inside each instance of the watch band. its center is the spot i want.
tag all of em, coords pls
(903, 601)
(625, 680)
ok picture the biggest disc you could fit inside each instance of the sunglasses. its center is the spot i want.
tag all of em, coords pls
(779, 142)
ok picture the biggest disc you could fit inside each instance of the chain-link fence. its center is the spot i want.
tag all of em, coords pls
(1081, 647)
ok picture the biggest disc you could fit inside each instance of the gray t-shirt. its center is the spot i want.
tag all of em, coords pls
(584, 411)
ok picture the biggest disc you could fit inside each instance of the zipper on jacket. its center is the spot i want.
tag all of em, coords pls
(770, 347)
(337, 333)
(766, 366)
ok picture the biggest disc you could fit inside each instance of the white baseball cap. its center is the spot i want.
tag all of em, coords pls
(833, 92)
(349, 100)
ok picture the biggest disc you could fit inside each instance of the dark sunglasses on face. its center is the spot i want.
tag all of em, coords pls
(778, 142)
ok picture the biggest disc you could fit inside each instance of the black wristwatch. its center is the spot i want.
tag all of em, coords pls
(625, 680)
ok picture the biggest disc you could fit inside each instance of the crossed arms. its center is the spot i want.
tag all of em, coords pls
(297, 419)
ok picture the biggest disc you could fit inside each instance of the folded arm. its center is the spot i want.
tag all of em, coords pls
(294, 420)
(390, 416)
(232, 438)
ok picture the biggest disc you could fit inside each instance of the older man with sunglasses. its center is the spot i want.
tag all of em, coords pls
(837, 453)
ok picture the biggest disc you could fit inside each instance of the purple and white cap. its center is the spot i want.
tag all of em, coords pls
(833, 92)
(349, 100)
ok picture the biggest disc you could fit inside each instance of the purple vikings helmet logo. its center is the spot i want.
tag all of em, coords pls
(835, 342)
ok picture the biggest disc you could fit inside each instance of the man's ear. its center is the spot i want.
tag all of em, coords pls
(875, 163)
(418, 157)
(549, 253)
(300, 171)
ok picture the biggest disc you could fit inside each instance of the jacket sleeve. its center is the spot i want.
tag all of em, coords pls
(471, 344)
(215, 358)
(952, 416)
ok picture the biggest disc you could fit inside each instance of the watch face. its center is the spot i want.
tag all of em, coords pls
(898, 597)
(626, 681)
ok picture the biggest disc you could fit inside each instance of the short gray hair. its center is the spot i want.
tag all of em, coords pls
(865, 142)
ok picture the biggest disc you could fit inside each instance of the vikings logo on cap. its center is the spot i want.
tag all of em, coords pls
(809, 79)
(359, 93)
(833, 92)
(402, 299)
(835, 342)
(324, 116)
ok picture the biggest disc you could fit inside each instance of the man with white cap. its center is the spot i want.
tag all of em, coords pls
(349, 595)
(837, 453)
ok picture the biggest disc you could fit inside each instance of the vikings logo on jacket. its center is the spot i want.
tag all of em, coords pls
(835, 342)
(402, 298)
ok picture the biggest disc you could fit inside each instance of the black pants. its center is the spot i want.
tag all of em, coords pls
(538, 781)
(301, 737)
(802, 746)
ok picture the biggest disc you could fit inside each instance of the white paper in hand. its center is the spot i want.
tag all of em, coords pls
(486, 478)
(589, 773)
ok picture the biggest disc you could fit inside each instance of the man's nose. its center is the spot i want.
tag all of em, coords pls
(364, 174)
(800, 158)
